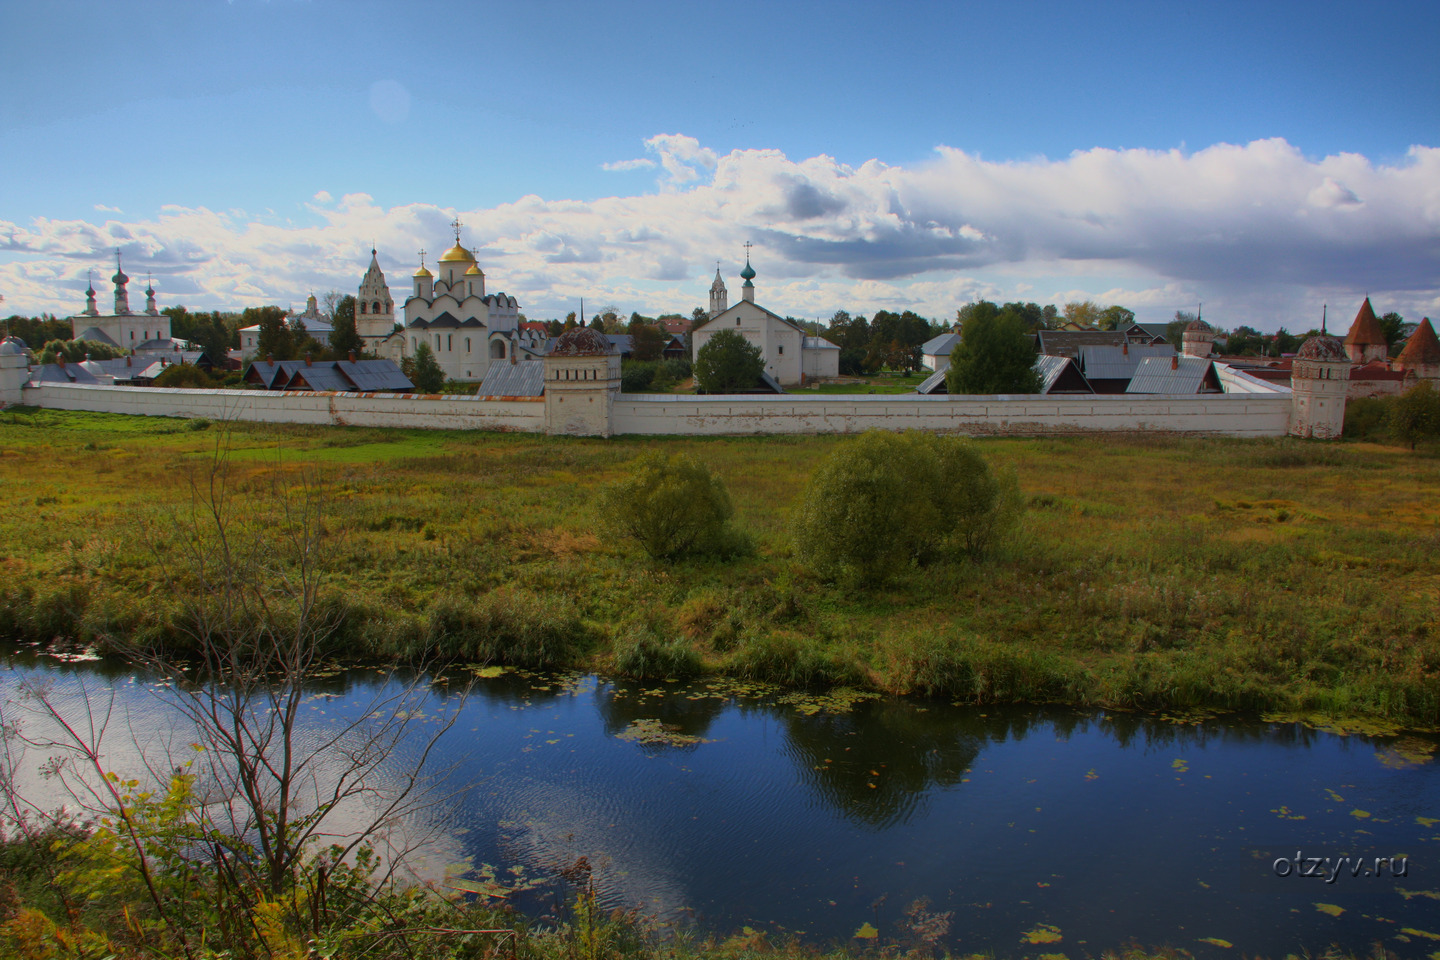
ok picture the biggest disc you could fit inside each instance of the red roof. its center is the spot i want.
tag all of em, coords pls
(675, 326)
(535, 325)
(1422, 347)
(1375, 370)
(1365, 331)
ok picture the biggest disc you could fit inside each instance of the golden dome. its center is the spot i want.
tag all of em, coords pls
(422, 272)
(457, 254)
(474, 271)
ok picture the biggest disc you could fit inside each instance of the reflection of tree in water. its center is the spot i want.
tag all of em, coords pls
(874, 763)
(621, 703)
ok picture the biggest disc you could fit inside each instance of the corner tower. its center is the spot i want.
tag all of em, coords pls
(1319, 378)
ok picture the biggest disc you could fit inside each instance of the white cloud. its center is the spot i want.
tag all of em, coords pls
(621, 166)
(1259, 232)
(104, 209)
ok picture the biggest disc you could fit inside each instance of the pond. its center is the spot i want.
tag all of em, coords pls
(1022, 831)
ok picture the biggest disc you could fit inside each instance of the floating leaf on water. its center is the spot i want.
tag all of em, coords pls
(839, 700)
(1179, 766)
(1360, 814)
(1053, 956)
(488, 673)
(1217, 942)
(1408, 894)
(1330, 908)
(1092, 775)
(866, 932)
(1334, 796)
(651, 731)
(1427, 821)
(1406, 753)
(1285, 813)
(1044, 933)
(1420, 933)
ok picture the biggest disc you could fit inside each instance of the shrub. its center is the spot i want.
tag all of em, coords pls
(885, 500)
(1367, 418)
(636, 375)
(728, 362)
(184, 375)
(644, 656)
(1415, 414)
(671, 506)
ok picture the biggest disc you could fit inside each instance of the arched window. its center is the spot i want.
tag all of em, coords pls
(377, 307)
(362, 306)
(497, 349)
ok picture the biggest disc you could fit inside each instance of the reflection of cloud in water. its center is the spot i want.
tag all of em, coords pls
(142, 737)
(547, 826)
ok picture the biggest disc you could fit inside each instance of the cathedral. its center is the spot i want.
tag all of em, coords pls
(123, 328)
(466, 328)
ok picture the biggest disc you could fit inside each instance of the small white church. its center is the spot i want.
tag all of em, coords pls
(791, 356)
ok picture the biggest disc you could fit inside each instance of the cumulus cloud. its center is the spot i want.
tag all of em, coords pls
(104, 209)
(323, 197)
(1258, 231)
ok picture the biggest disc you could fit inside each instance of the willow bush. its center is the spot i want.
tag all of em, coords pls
(672, 507)
(885, 501)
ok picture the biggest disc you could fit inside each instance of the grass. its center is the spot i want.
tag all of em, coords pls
(1151, 572)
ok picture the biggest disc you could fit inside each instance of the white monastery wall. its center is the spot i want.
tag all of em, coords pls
(1240, 415)
(265, 406)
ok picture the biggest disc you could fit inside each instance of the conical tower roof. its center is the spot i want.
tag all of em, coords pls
(1422, 347)
(1365, 331)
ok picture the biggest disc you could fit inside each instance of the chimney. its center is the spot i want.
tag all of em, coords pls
(307, 359)
(270, 359)
(1125, 347)
(127, 359)
(60, 359)
(1174, 361)
(352, 356)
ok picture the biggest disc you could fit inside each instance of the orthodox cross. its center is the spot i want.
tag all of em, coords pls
(422, 258)
(456, 225)
(748, 245)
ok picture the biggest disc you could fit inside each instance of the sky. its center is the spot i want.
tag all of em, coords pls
(1266, 160)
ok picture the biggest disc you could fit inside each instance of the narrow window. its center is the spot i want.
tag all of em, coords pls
(737, 321)
(450, 342)
(781, 348)
(467, 344)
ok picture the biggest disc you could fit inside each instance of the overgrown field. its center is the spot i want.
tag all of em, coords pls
(1151, 572)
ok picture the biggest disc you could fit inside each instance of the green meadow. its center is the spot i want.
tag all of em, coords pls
(1176, 575)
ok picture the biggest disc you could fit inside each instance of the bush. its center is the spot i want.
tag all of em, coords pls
(1368, 418)
(184, 375)
(671, 506)
(637, 375)
(1415, 414)
(728, 362)
(885, 501)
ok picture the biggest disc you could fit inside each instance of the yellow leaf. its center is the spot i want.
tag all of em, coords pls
(1330, 908)
(866, 932)
(1217, 942)
(1044, 933)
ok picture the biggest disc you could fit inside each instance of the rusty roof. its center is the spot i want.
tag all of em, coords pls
(1422, 347)
(1366, 328)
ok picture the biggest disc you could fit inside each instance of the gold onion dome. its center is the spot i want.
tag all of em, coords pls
(457, 254)
(474, 271)
(422, 272)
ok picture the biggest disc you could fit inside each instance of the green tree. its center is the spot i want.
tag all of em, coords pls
(885, 501)
(727, 362)
(1175, 329)
(1116, 317)
(671, 506)
(424, 370)
(184, 375)
(995, 355)
(1415, 415)
(344, 339)
(1391, 325)
(75, 351)
(647, 341)
(1084, 312)
(275, 340)
(1031, 314)
(38, 331)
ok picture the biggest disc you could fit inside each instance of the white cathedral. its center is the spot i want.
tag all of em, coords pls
(123, 329)
(466, 328)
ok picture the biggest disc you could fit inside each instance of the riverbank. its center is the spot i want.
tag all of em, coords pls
(1168, 574)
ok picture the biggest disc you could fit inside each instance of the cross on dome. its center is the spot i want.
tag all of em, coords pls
(456, 225)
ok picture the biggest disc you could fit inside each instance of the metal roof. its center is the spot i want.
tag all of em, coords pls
(375, 376)
(523, 378)
(1051, 369)
(1099, 362)
(940, 346)
(55, 373)
(96, 335)
(935, 383)
(1154, 375)
(320, 377)
(816, 343)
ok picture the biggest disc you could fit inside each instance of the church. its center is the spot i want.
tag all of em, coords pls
(466, 328)
(791, 356)
(123, 328)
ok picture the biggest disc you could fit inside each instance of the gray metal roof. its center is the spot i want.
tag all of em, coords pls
(13, 346)
(1051, 369)
(375, 376)
(1100, 362)
(935, 383)
(96, 335)
(55, 373)
(813, 343)
(523, 378)
(1154, 375)
(320, 377)
(940, 346)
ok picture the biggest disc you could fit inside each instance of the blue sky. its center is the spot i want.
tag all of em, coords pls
(246, 152)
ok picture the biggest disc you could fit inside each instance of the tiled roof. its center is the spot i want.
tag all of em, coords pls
(1422, 347)
(1365, 331)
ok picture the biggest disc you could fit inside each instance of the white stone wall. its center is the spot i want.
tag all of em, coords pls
(820, 363)
(1241, 415)
(780, 343)
(265, 406)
